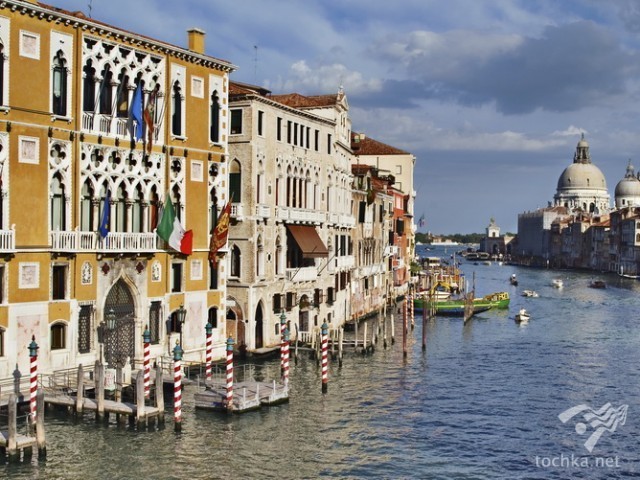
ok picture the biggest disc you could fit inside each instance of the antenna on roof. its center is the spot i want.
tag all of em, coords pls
(255, 65)
(90, 2)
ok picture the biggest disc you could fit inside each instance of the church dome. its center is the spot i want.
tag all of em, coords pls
(628, 189)
(584, 176)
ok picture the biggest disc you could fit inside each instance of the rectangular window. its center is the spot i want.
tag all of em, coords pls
(295, 134)
(84, 328)
(176, 277)
(236, 122)
(291, 300)
(308, 135)
(362, 209)
(58, 282)
(260, 122)
(316, 140)
(155, 315)
(277, 303)
(301, 136)
(329, 143)
(58, 336)
(289, 122)
(279, 129)
(213, 276)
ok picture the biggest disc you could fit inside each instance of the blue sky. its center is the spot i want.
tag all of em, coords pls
(491, 96)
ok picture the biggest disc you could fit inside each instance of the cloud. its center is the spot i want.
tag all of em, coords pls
(567, 68)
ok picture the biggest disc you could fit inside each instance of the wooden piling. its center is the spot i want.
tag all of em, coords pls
(340, 340)
(160, 394)
(99, 376)
(424, 326)
(141, 388)
(12, 428)
(80, 390)
(40, 437)
(355, 342)
(364, 339)
(393, 327)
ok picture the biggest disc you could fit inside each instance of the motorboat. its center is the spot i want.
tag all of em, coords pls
(598, 284)
(530, 293)
(513, 280)
(522, 316)
(557, 282)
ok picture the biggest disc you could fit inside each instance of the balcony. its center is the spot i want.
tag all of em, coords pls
(263, 211)
(302, 215)
(341, 219)
(116, 242)
(107, 125)
(237, 211)
(303, 274)
(7, 241)
(346, 262)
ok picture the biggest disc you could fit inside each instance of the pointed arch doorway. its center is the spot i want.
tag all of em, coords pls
(119, 310)
(259, 327)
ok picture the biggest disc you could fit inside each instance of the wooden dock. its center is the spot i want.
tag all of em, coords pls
(247, 396)
(74, 399)
(12, 443)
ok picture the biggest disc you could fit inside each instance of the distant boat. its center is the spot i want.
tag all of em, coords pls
(626, 275)
(530, 293)
(513, 280)
(598, 284)
(443, 243)
(522, 317)
(557, 282)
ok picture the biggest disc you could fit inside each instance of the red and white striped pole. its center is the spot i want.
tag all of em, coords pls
(229, 400)
(283, 326)
(177, 387)
(412, 310)
(146, 339)
(285, 353)
(325, 369)
(33, 355)
(404, 327)
(209, 355)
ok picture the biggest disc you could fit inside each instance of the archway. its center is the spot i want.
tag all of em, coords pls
(259, 327)
(119, 309)
(235, 325)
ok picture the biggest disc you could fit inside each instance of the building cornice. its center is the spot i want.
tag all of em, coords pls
(78, 20)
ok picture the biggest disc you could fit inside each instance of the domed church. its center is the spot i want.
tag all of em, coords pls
(627, 193)
(582, 185)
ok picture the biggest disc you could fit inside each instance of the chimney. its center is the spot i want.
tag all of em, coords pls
(196, 40)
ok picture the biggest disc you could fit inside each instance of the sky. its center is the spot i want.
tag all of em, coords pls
(490, 96)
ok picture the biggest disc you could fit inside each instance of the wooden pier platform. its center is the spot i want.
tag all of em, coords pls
(247, 396)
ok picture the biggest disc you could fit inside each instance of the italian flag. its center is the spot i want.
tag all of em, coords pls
(170, 230)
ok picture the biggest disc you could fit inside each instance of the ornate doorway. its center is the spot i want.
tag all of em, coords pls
(120, 342)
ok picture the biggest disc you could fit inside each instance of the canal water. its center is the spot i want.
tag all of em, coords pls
(483, 402)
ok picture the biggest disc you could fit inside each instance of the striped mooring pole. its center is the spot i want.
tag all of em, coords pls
(325, 370)
(404, 328)
(33, 393)
(285, 353)
(283, 326)
(146, 339)
(229, 400)
(412, 310)
(177, 387)
(208, 328)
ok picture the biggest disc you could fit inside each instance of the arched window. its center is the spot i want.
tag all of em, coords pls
(58, 219)
(214, 132)
(212, 317)
(235, 181)
(176, 116)
(279, 260)
(235, 261)
(106, 92)
(122, 95)
(89, 88)
(58, 336)
(59, 99)
(120, 209)
(1, 77)
(137, 211)
(86, 208)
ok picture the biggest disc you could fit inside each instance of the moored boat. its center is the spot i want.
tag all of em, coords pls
(557, 282)
(530, 293)
(455, 307)
(598, 284)
(522, 316)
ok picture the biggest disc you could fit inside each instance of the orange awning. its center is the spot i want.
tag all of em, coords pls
(309, 241)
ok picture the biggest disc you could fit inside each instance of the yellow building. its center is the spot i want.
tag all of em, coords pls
(69, 89)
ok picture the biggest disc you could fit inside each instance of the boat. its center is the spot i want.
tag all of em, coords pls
(456, 306)
(522, 317)
(513, 280)
(598, 284)
(530, 293)
(557, 282)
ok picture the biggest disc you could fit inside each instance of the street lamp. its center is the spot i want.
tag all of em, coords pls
(181, 315)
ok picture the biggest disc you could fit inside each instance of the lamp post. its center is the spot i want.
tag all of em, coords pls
(108, 326)
(181, 315)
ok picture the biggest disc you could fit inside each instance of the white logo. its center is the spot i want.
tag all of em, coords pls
(605, 419)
